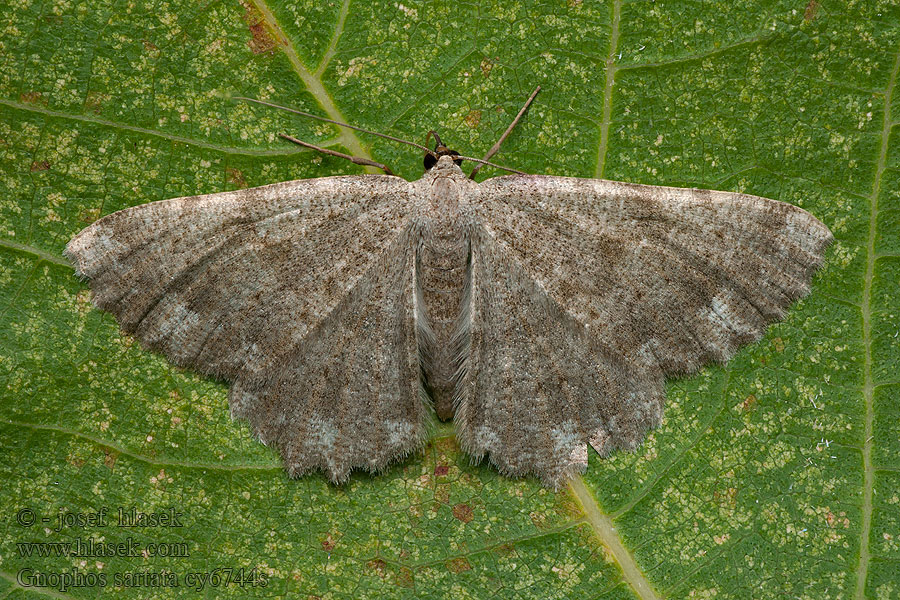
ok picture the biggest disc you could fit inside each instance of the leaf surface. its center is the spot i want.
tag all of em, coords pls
(775, 476)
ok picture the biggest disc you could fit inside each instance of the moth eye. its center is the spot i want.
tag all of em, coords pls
(430, 161)
(457, 161)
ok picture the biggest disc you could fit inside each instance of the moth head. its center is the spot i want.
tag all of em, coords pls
(440, 150)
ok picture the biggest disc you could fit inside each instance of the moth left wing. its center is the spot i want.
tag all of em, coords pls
(300, 293)
(349, 394)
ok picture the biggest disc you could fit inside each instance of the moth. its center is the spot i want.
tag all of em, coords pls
(541, 313)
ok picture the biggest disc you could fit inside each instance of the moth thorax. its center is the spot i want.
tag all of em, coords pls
(445, 193)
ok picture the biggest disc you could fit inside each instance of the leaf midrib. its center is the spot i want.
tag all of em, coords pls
(312, 80)
(868, 384)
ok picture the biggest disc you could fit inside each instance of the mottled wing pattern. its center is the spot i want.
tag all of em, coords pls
(537, 384)
(642, 281)
(349, 395)
(301, 293)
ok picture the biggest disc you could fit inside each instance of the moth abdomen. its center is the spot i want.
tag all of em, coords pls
(442, 272)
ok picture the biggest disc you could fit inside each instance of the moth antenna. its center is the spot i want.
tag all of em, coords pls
(381, 135)
(490, 164)
(439, 146)
(496, 147)
(354, 159)
(318, 118)
(437, 138)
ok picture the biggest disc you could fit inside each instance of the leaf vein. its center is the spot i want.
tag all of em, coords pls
(869, 386)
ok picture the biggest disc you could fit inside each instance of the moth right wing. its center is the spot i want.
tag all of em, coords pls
(585, 293)
(301, 293)
(536, 386)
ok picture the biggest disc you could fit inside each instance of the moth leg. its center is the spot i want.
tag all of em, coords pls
(496, 147)
(354, 159)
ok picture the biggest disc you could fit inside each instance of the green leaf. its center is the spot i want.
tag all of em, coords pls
(775, 476)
